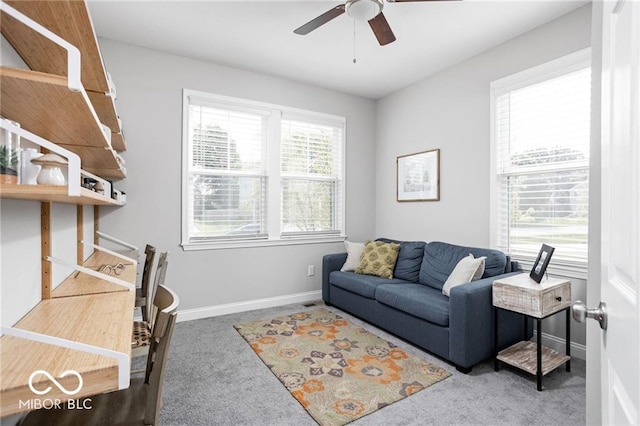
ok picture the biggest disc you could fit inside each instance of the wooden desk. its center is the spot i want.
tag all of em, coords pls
(103, 320)
(82, 284)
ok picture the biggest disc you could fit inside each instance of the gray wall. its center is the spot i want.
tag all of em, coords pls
(450, 111)
(149, 85)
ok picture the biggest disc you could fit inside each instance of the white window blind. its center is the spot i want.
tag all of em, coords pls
(311, 167)
(258, 174)
(227, 174)
(541, 146)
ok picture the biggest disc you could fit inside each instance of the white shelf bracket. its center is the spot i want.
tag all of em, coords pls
(111, 252)
(117, 241)
(93, 273)
(124, 371)
(73, 54)
(72, 158)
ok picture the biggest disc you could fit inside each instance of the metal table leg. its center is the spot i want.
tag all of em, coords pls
(567, 341)
(496, 362)
(539, 354)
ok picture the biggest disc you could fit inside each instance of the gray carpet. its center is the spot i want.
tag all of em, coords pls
(214, 378)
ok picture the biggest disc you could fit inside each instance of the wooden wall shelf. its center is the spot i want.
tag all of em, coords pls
(57, 194)
(118, 142)
(84, 309)
(89, 310)
(103, 320)
(83, 284)
(70, 20)
(44, 105)
(105, 108)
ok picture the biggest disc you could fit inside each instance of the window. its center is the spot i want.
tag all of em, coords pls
(540, 154)
(259, 174)
(311, 168)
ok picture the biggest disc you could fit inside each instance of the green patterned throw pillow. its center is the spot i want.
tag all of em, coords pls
(378, 258)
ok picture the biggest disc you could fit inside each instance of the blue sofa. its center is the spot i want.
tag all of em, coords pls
(411, 305)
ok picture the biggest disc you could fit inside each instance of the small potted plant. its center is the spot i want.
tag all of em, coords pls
(8, 164)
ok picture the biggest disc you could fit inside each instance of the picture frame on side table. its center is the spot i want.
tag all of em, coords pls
(541, 263)
(418, 176)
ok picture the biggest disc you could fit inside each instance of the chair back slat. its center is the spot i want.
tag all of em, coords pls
(161, 272)
(166, 302)
(150, 254)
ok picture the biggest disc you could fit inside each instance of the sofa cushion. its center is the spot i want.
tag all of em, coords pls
(416, 299)
(409, 259)
(364, 285)
(467, 270)
(378, 259)
(441, 258)
(354, 252)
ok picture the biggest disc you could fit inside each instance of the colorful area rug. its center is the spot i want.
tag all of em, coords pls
(338, 371)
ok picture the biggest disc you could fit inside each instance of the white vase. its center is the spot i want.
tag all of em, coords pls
(28, 170)
(51, 175)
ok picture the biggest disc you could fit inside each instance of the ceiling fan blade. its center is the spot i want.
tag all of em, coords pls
(407, 1)
(320, 20)
(382, 30)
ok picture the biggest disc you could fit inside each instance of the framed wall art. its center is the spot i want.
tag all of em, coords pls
(418, 176)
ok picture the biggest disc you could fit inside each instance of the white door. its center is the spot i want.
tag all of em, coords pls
(620, 253)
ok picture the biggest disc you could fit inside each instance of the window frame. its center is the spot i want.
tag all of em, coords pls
(275, 236)
(549, 70)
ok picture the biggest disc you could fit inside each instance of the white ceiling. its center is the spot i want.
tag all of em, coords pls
(258, 36)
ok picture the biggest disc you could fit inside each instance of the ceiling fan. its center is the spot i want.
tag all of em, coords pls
(361, 10)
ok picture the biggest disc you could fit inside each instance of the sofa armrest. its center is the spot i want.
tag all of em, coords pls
(471, 321)
(330, 263)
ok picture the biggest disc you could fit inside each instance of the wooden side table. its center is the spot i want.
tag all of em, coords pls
(519, 293)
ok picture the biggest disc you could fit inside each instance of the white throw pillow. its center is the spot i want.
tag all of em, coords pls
(468, 269)
(354, 252)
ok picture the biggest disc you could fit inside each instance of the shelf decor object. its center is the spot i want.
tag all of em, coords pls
(9, 157)
(73, 160)
(51, 172)
(71, 193)
(29, 171)
(541, 263)
(418, 176)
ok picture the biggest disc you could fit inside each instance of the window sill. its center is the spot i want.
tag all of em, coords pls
(241, 244)
(578, 270)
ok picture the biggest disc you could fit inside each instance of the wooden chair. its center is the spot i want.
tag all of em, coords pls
(141, 402)
(142, 292)
(142, 329)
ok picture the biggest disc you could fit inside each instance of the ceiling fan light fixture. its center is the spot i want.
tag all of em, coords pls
(363, 10)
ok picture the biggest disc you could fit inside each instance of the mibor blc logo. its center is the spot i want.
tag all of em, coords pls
(55, 382)
(47, 403)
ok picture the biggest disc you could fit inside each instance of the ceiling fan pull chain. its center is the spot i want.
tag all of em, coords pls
(354, 41)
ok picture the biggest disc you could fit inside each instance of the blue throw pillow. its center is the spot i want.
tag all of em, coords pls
(409, 259)
(440, 259)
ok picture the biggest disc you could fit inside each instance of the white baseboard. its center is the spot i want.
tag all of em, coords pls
(557, 343)
(249, 305)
